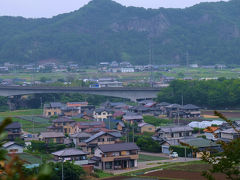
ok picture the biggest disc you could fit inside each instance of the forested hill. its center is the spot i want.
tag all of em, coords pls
(105, 31)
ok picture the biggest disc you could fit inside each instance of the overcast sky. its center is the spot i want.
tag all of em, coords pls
(49, 8)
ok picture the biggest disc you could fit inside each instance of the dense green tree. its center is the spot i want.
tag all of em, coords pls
(105, 31)
(221, 93)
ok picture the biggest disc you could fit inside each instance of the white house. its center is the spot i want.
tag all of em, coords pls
(12, 147)
(127, 70)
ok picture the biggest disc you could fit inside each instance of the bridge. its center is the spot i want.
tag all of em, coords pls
(125, 92)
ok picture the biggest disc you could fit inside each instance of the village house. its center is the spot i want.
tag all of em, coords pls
(14, 131)
(116, 156)
(52, 137)
(12, 147)
(102, 114)
(211, 133)
(191, 111)
(230, 134)
(70, 111)
(145, 127)
(93, 131)
(132, 118)
(64, 125)
(79, 157)
(82, 126)
(52, 109)
(79, 138)
(101, 138)
(121, 126)
(175, 132)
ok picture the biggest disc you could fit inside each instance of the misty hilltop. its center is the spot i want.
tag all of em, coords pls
(104, 30)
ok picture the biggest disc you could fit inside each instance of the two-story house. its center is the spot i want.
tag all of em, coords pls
(78, 156)
(145, 127)
(82, 126)
(63, 124)
(175, 132)
(52, 109)
(101, 138)
(80, 138)
(168, 136)
(230, 134)
(54, 137)
(191, 111)
(102, 114)
(116, 156)
(14, 131)
(132, 118)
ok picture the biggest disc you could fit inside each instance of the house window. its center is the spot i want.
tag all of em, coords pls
(104, 113)
(172, 135)
(108, 165)
(110, 139)
(55, 113)
(149, 129)
(13, 150)
(49, 113)
(100, 139)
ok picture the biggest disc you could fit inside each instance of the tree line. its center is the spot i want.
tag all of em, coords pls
(221, 93)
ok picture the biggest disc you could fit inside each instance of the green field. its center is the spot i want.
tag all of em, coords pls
(143, 158)
(179, 72)
(21, 113)
(29, 119)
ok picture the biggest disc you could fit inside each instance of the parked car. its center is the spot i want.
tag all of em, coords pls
(173, 155)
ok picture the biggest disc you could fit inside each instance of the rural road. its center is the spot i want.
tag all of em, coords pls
(150, 164)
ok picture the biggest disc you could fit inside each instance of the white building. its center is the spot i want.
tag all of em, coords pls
(127, 70)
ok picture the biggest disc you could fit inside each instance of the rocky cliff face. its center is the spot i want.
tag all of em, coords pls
(154, 26)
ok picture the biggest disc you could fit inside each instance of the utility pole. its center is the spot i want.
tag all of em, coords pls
(133, 133)
(182, 99)
(187, 59)
(41, 105)
(178, 115)
(150, 62)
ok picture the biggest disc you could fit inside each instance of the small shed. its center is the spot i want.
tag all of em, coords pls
(13, 147)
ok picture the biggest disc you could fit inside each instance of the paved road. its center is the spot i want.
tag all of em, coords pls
(154, 154)
(150, 164)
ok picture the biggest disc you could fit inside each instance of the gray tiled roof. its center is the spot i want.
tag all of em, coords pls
(175, 129)
(69, 152)
(118, 147)
(62, 120)
(231, 131)
(81, 135)
(163, 104)
(52, 134)
(114, 134)
(190, 106)
(14, 125)
(132, 117)
(56, 104)
(200, 142)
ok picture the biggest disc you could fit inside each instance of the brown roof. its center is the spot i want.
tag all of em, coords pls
(118, 147)
(211, 129)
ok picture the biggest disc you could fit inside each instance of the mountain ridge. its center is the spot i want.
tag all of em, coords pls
(104, 30)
